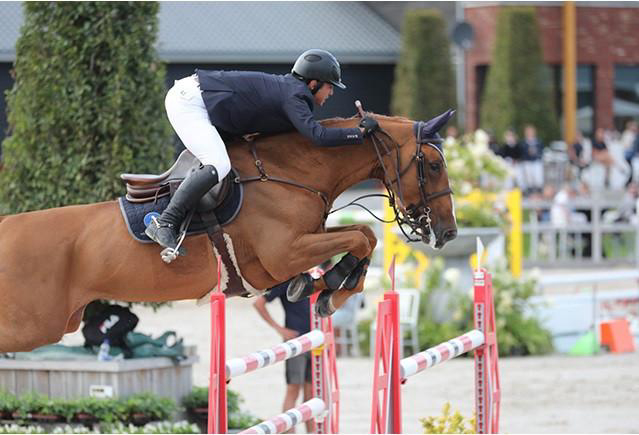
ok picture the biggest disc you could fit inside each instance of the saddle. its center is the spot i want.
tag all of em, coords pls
(148, 195)
(149, 187)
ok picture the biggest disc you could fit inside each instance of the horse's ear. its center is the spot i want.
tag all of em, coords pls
(429, 128)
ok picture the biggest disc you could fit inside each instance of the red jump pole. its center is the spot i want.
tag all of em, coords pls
(217, 418)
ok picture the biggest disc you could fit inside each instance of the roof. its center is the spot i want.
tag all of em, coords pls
(253, 32)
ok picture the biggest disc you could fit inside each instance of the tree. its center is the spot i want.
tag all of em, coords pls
(424, 83)
(518, 88)
(86, 105)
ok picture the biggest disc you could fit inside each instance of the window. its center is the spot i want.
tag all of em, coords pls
(585, 96)
(625, 106)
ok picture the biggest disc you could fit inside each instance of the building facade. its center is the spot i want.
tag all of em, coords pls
(607, 57)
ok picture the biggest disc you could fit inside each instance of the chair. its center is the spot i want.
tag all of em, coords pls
(346, 322)
(408, 320)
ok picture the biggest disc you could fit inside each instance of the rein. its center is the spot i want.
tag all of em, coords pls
(265, 177)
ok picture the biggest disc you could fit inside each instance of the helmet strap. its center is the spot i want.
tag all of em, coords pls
(317, 87)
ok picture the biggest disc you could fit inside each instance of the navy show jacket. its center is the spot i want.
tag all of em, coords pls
(243, 102)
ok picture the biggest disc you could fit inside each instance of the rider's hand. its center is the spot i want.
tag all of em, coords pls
(369, 125)
(288, 334)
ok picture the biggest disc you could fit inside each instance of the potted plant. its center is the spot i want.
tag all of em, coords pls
(39, 408)
(8, 405)
(143, 408)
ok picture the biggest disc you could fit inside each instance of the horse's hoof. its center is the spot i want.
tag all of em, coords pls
(323, 306)
(300, 287)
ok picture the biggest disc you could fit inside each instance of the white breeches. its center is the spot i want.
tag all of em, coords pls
(190, 120)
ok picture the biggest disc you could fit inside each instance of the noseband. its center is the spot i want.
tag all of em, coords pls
(417, 217)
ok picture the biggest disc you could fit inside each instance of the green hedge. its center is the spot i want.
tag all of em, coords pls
(518, 86)
(86, 105)
(424, 83)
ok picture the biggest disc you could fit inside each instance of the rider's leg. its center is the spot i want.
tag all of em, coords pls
(188, 116)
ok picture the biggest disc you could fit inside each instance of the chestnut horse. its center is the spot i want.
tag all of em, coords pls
(54, 262)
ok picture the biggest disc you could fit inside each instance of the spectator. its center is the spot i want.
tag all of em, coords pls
(297, 321)
(577, 152)
(628, 138)
(511, 149)
(532, 165)
(600, 153)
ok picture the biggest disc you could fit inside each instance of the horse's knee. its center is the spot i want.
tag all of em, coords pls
(362, 246)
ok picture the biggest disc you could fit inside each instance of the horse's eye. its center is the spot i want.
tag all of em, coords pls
(436, 166)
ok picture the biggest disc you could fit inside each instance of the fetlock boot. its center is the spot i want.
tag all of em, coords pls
(164, 230)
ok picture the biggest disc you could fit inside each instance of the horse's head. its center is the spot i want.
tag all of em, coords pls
(415, 174)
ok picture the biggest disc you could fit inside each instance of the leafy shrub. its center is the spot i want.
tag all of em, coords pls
(518, 89)
(424, 83)
(448, 423)
(159, 408)
(86, 105)
(162, 427)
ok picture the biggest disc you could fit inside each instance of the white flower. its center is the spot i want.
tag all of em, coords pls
(465, 188)
(451, 276)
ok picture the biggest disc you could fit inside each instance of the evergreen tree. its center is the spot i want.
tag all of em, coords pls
(424, 83)
(518, 88)
(87, 104)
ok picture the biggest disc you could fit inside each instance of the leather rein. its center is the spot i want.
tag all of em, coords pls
(417, 217)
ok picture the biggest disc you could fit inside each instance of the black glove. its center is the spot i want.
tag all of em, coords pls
(369, 125)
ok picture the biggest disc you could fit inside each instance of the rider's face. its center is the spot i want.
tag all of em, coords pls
(324, 92)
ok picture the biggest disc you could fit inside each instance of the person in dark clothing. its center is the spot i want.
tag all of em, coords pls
(532, 165)
(510, 149)
(297, 321)
(211, 107)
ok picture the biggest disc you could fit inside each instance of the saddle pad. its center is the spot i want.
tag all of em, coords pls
(138, 215)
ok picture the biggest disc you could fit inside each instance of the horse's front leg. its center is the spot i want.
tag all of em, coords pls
(309, 250)
(348, 274)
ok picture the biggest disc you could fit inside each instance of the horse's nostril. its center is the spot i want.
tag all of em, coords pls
(450, 235)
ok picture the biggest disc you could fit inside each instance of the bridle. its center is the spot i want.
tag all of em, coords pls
(417, 216)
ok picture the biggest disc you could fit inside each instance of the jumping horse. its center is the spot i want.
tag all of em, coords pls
(54, 262)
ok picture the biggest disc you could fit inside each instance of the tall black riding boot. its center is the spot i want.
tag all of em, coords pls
(164, 230)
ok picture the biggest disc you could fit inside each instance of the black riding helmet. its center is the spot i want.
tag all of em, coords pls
(320, 65)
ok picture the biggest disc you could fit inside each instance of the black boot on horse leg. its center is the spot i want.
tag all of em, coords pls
(336, 276)
(300, 287)
(358, 273)
(164, 230)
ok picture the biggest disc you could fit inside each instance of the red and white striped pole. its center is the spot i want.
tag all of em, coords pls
(289, 419)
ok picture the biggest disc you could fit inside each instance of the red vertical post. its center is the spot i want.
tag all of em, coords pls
(217, 416)
(386, 417)
(487, 386)
(324, 373)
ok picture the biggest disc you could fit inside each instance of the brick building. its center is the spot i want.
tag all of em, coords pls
(607, 58)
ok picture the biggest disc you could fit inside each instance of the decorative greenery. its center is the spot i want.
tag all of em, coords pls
(237, 419)
(424, 83)
(8, 402)
(518, 90)
(447, 423)
(518, 333)
(471, 164)
(86, 105)
(104, 410)
(157, 408)
(168, 427)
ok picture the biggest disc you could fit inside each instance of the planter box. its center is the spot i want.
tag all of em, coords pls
(73, 379)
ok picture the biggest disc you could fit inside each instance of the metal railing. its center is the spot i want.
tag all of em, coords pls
(593, 243)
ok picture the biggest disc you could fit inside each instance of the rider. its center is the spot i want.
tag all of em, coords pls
(208, 106)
